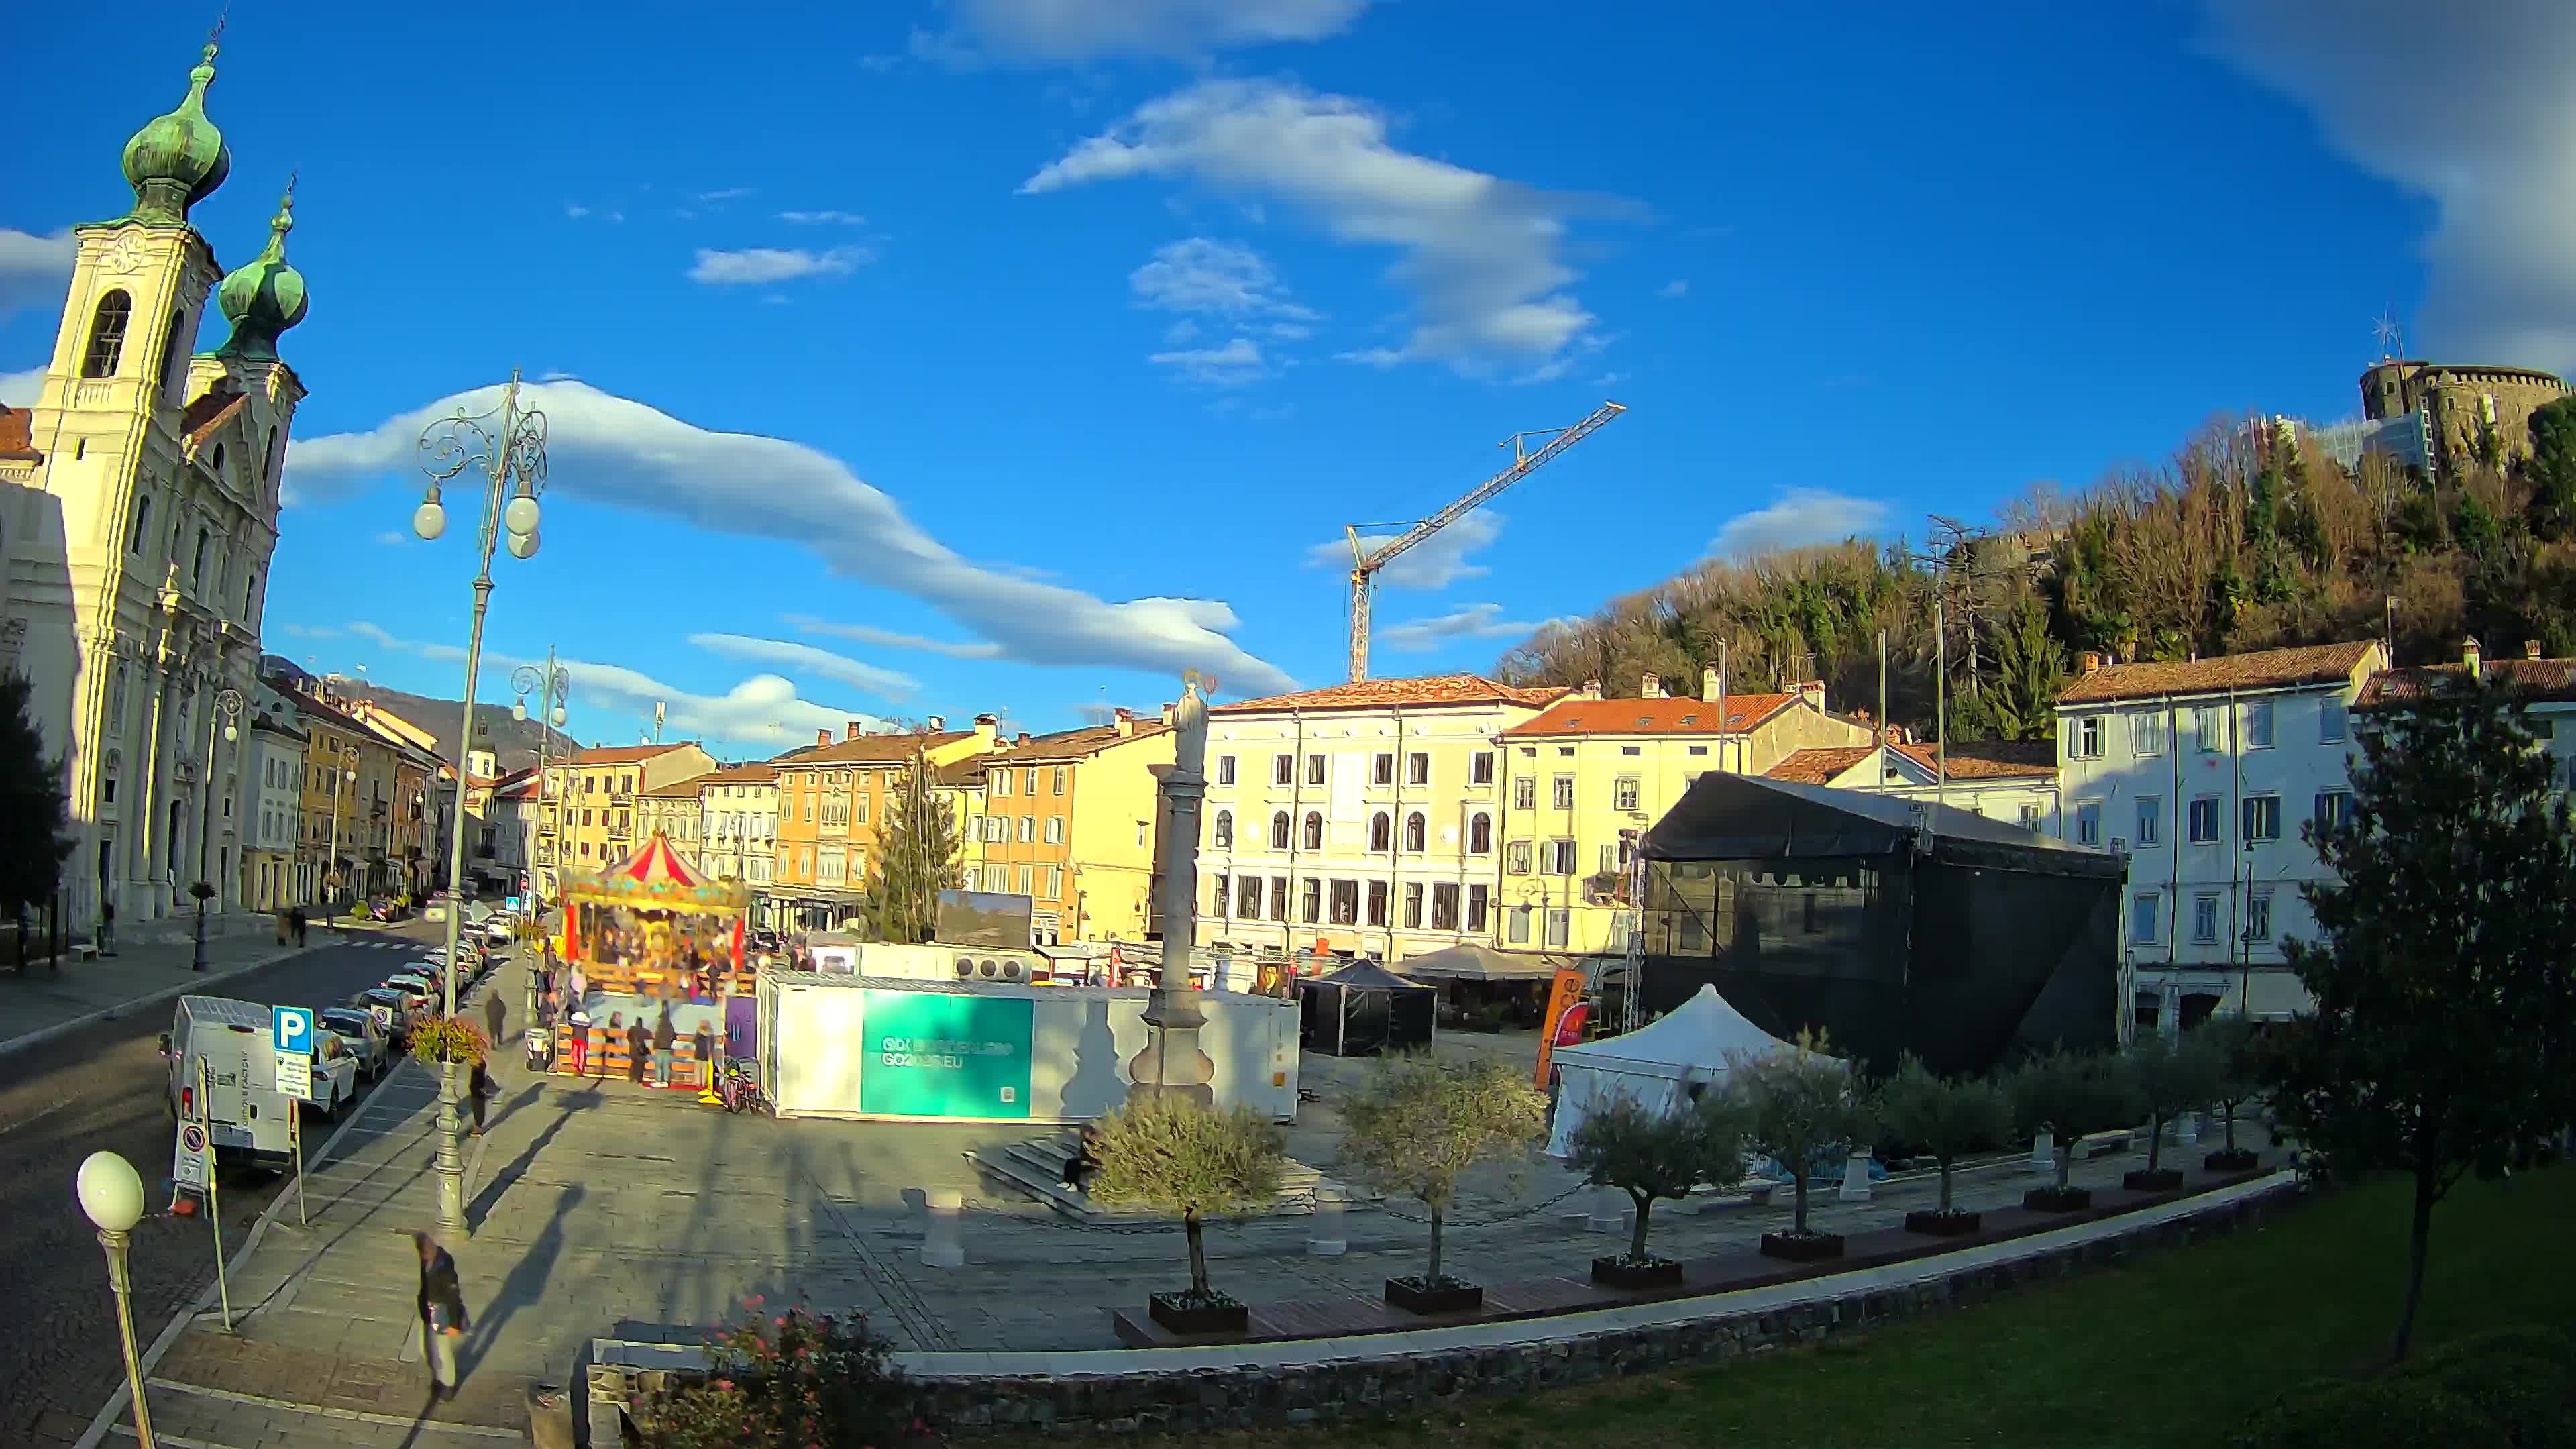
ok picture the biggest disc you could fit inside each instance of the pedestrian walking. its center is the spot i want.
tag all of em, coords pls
(295, 919)
(478, 1090)
(495, 1015)
(703, 1047)
(106, 927)
(639, 1043)
(442, 1315)
(579, 1046)
(662, 1039)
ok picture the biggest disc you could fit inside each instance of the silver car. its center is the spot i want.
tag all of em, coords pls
(367, 1038)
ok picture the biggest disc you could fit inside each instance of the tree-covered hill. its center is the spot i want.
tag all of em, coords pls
(2242, 541)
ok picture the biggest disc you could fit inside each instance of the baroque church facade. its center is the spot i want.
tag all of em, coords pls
(139, 504)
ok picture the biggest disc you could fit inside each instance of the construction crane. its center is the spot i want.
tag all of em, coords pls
(1365, 564)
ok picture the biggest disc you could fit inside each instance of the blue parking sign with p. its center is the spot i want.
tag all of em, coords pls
(294, 1027)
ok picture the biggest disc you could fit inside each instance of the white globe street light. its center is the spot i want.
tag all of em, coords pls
(523, 545)
(112, 1195)
(519, 515)
(429, 520)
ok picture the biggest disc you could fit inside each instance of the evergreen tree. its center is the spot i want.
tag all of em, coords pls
(2020, 702)
(916, 858)
(34, 839)
(2551, 468)
(2444, 1037)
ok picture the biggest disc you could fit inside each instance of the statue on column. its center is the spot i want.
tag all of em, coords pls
(1172, 1063)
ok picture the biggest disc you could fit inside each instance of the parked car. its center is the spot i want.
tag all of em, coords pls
(501, 929)
(366, 1036)
(392, 1011)
(222, 1046)
(419, 990)
(335, 1072)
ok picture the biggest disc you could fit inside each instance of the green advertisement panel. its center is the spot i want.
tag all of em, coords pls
(946, 1056)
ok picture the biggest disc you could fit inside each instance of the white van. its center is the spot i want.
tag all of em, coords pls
(247, 1117)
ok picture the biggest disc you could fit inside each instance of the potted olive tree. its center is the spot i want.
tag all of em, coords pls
(2171, 1076)
(2067, 1095)
(2235, 1080)
(1169, 1153)
(1800, 1105)
(1650, 1155)
(1947, 1117)
(1415, 1127)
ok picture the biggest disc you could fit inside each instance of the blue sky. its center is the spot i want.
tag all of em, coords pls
(1017, 355)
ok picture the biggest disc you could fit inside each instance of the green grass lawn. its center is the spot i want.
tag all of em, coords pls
(2172, 1349)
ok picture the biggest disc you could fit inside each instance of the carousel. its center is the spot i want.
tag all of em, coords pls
(646, 938)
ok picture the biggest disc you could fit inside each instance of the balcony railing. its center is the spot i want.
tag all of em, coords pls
(618, 831)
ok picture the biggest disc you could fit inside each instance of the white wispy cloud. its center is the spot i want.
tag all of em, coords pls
(1237, 363)
(822, 218)
(1069, 32)
(1801, 516)
(625, 454)
(823, 663)
(1482, 256)
(759, 266)
(1203, 275)
(893, 638)
(729, 193)
(1475, 621)
(764, 709)
(1677, 287)
(2485, 128)
(1431, 565)
(393, 538)
(35, 271)
(19, 389)
(579, 212)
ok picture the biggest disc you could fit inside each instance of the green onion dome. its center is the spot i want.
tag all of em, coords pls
(178, 160)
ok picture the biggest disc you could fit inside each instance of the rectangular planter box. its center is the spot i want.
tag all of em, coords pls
(2162, 1179)
(1173, 1313)
(1813, 1248)
(2052, 1200)
(1619, 1273)
(1934, 1223)
(1450, 1297)
(2239, 1160)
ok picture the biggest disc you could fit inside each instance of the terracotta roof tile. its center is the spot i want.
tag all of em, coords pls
(2552, 680)
(207, 413)
(2263, 669)
(623, 754)
(759, 772)
(679, 789)
(1067, 746)
(1423, 690)
(965, 774)
(1815, 767)
(879, 749)
(17, 435)
(1673, 715)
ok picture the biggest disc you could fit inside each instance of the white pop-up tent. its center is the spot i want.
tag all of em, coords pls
(1656, 1064)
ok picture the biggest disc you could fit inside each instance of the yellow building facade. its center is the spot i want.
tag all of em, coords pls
(1590, 775)
(588, 822)
(1364, 817)
(1068, 821)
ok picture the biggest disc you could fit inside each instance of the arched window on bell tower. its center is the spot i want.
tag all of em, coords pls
(107, 335)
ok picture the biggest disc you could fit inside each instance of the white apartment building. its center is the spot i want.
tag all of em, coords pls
(273, 876)
(1358, 818)
(2204, 771)
(738, 834)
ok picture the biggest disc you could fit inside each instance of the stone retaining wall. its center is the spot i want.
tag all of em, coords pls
(1215, 1398)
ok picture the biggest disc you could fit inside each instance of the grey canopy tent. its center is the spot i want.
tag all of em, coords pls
(1894, 925)
(1362, 1010)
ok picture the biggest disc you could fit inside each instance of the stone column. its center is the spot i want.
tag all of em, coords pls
(943, 1241)
(2043, 1152)
(1856, 1178)
(1172, 1062)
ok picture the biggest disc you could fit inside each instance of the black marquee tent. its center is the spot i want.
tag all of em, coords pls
(1895, 925)
(1362, 1010)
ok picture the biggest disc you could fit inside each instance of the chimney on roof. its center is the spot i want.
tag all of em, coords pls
(2092, 661)
(985, 725)
(1650, 686)
(938, 723)
(1591, 690)
(2530, 648)
(1814, 692)
(1710, 683)
(2469, 655)
(1023, 738)
(852, 730)
(822, 738)
(1123, 721)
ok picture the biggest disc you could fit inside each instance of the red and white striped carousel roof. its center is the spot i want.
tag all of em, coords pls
(654, 863)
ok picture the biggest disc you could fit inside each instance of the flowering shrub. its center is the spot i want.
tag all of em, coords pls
(439, 1039)
(788, 1380)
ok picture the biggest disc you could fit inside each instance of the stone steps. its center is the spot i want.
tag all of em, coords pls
(1036, 1168)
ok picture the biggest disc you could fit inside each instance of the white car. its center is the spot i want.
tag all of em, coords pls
(502, 929)
(335, 1072)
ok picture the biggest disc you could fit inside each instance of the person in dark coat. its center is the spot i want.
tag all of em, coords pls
(495, 1015)
(442, 1315)
(639, 1043)
(663, 1040)
(703, 1047)
(107, 928)
(478, 1089)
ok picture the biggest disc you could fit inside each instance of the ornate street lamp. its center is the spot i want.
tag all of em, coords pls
(553, 687)
(227, 715)
(112, 1195)
(507, 448)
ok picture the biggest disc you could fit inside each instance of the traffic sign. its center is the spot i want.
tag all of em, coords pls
(510, 903)
(295, 1075)
(190, 1163)
(293, 1028)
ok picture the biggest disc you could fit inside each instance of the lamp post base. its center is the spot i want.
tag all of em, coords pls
(451, 1165)
(197, 962)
